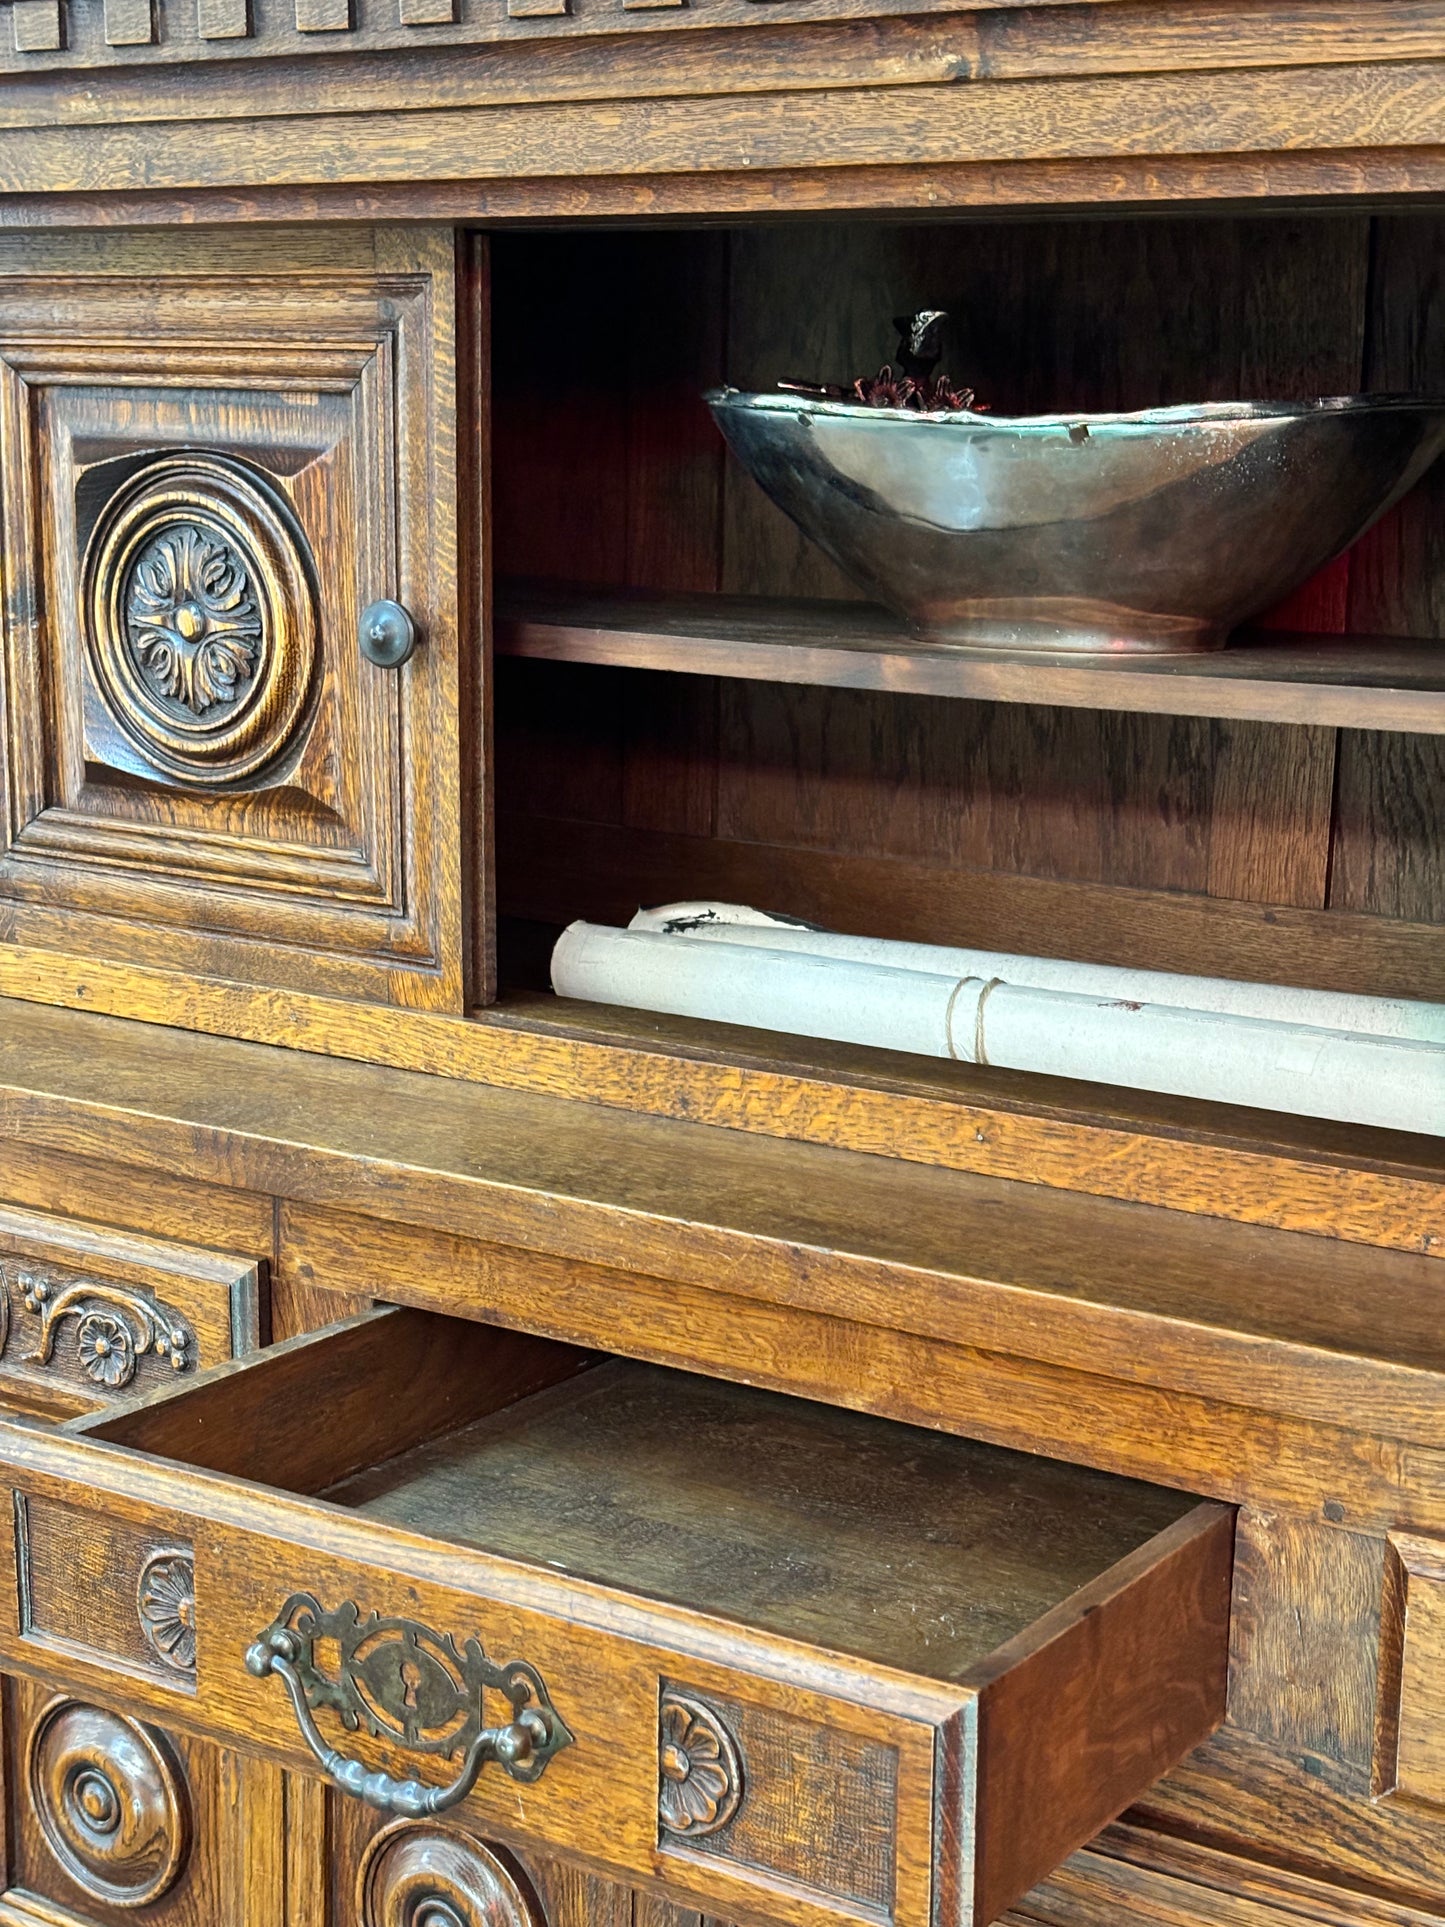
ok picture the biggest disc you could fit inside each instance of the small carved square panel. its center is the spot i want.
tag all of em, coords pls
(107, 1589)
(210, 479)
(778, 1794)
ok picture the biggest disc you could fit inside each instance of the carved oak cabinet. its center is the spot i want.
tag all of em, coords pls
(474, 1460)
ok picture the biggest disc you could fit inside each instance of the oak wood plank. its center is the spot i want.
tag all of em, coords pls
(554, 870)
(1175, 1584)
(1362, 177)
(1352, 682)
(994, 39)
(1329, 1180)
(264, 1427)
(1225, 1449)
(1307, 1326)
(1323, 109)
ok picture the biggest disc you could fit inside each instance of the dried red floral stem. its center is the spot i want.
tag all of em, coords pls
(931, 397)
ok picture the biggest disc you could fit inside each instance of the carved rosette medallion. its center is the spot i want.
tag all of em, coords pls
(110, 1802)
(165, 1600)
(201, 627)
(700, 1771)
(431, 1877)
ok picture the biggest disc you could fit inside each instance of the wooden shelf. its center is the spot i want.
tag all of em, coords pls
(1354, 682)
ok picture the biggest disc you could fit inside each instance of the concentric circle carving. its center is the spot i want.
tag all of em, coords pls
(200, 616)
(110, 1802)
(700, 1771)
(434, 1877)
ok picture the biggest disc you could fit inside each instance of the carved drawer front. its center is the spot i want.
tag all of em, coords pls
(785, 1660)
(89, 1315)
(229, 539)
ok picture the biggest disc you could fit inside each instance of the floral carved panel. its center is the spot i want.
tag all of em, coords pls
(202, 771)
(201, 632)
(96, 1330)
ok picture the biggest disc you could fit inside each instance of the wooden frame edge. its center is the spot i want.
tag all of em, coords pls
(1312, 1193)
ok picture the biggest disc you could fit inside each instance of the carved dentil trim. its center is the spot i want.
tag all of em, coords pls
(110, 1802)
(700, 1770)
(115, 1325)
(426, 1876)
(200, 622)
(165, 1600)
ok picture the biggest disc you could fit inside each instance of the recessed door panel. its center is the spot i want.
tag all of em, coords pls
(210, 479)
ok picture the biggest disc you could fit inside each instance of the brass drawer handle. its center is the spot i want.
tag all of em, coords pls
(402, 1681)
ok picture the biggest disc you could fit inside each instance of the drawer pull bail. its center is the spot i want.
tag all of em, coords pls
(400, 1681)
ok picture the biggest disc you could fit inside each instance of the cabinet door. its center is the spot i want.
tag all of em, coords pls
(218, 456)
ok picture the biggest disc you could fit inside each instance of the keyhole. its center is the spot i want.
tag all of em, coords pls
(411, 1677)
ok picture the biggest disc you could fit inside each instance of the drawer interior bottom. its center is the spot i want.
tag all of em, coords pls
(902, 1547)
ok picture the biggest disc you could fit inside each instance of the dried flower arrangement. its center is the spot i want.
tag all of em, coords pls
(913, 385)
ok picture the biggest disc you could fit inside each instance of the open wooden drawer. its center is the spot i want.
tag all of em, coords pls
(800, 1663)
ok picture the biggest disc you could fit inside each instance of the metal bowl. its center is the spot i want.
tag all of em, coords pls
(1158, 531)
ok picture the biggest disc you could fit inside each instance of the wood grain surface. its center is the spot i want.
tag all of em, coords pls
(799, 1224)
(1303, 679)
(1151, 86)
(1217, 1446)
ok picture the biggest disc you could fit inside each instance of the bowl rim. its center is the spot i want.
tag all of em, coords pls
(1179, 415)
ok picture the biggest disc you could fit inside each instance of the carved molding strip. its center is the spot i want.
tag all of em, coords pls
(200, 620)
(700, 1770)
(431, 1877)
(110, 1802)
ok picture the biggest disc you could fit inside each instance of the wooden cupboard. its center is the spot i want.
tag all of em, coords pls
(798, 1483)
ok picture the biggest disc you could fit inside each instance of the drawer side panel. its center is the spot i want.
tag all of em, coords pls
(1119, 1684)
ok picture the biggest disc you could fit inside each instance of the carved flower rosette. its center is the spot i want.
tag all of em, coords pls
(201, 630)
(166, 1607)
(105, 1348)
(700, 1775)
(193, 618)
